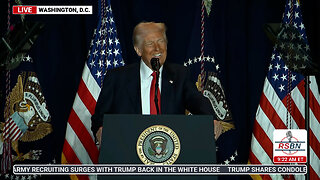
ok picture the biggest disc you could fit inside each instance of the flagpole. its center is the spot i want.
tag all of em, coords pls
(306, 86)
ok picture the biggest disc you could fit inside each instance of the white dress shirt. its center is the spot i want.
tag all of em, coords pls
(145, 84)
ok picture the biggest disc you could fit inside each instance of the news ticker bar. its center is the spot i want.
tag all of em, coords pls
(45, 10)
(189, 169)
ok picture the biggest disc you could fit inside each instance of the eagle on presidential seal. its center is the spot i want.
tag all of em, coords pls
(27, 109)
(158, 146)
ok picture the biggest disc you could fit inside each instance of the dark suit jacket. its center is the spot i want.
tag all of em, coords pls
(121, 93)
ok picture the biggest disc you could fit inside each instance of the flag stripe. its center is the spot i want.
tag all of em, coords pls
(77, 147)
(298, 115)
(314, 89)
(259, 133)
(315, 107)
(315, 163)
(9, 124)
(271, 113)
(14, 133)
(313, 144)
(259, 152)
(79, 128)
(312, 173)
(86, 97)
(314, 126)
(12, 130)
(17, 135)
(91, 83)
(253, 159)
(83, 114)
(69, 154)
(298, 121)
(8, 129)
(263, 121)
(277, 104)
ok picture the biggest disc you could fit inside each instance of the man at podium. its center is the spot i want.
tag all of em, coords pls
(151, 86)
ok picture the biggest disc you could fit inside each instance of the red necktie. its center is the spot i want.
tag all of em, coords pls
(153, 109)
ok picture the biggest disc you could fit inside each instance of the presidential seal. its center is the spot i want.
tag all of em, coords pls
(158, 145)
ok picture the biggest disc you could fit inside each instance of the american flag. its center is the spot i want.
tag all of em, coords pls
(282, 103)
(105, 53)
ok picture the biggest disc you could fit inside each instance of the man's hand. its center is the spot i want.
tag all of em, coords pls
(99, 134)
(217, 129)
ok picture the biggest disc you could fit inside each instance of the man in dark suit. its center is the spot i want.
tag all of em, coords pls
(128, 89)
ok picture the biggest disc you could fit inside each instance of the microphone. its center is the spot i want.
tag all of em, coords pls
(155, 64)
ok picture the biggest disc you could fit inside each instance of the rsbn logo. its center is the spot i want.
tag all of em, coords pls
(289, 145)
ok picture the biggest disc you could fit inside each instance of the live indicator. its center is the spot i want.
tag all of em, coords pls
(24, 10)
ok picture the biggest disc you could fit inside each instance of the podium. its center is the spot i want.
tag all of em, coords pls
(121, 133)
